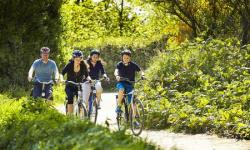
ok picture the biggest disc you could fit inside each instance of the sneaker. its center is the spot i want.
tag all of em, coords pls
(118, 109)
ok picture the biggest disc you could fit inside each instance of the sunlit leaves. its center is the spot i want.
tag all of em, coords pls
(206, 88)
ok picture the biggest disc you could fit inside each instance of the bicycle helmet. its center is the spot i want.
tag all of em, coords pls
(126, 52)
(95, 51)
(45, 50)
(77, 53)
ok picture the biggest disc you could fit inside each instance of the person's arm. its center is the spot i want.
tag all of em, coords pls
(85, 70)
(65, 70)
(86, 73)
(116, 73)
(56, 72)
(142, 74)
(140, 71)
(30, 74)
(103, 72)
(102, 69)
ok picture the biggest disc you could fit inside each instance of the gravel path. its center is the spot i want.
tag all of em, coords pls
(168, 140)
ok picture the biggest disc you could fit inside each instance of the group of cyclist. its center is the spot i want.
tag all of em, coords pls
(82, 71)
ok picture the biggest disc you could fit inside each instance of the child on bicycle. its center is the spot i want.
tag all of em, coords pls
(125, 69)
(96, 70)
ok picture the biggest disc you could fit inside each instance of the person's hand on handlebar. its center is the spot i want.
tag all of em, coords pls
(118, 78)
(143, 77)
(30, 78)
(57, 81)
(106, 77)
(89, 79)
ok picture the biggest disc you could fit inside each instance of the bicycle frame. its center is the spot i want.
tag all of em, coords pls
(43, 87)
(134, 111)
(79, 100)
(93, 101)
(127, 105)
(92, 98)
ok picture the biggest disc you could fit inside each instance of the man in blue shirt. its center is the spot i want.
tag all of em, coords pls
(125, 69)
(44, 68)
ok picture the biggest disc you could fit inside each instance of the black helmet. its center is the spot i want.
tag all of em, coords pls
(45, 50)
(95, 51)
(77, 53)
(126, 52)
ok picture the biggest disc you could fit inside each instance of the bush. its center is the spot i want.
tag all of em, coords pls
(200, 88)
(31, 124)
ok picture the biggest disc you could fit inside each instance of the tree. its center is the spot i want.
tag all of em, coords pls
(210, 18)
(26, 26)
(242, 8)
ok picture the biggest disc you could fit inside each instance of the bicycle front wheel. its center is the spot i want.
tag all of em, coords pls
(93, 111)
(136, 117)
(123, 118)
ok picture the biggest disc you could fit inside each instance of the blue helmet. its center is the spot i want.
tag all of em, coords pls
(77, 53)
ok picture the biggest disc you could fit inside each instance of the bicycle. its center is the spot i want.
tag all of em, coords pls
(79, 107)
(93, 103)
(43, 88)
(132, 113)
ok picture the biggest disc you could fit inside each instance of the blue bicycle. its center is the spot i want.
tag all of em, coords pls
(93, 102)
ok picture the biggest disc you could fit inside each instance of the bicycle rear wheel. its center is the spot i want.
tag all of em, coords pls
(136, 117)
(82, 111)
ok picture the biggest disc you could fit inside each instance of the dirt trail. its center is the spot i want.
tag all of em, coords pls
(168, 140)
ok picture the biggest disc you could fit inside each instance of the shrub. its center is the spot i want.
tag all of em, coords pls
(31, 124)
(200, 88)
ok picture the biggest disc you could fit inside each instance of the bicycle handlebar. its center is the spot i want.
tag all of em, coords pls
(127, 80)
(75, 83)
(49, 82)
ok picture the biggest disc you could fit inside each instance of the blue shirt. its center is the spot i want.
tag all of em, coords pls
(44, 71)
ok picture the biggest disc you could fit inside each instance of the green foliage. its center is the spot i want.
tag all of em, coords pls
(59, 94)
(31, 124)
(225, 18)
(97, 25)
(200, 88)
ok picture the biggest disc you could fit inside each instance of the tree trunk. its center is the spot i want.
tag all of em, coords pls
(245, 39)
(121, 18)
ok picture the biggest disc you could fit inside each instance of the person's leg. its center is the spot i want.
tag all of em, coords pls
(128, 88)
(48, 91)
(99, 90)
(70, 95)
(121, 88)
(86, 89)
(37, 90)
